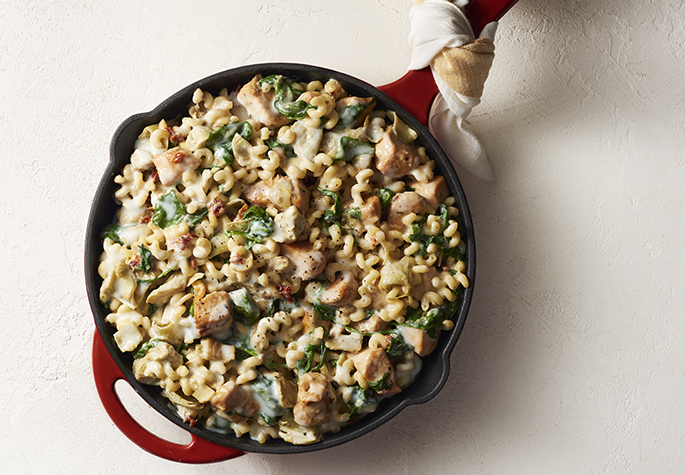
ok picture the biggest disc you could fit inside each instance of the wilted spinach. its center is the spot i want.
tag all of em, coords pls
(220, 141)
(169, 211)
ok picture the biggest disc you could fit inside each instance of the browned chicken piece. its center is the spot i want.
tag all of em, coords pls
(395, 159)
(403, 204)
(434, 192)
(419, 339)
(355, 101)
(371, 325)
(173, 163)
(315, 399)
(311, 321)
(371, 211)
(307, 263)
(373, 364)
(212, 313)
(286, 390)
(280, 192)
(231, 398)
(259, 104)
(342, 291)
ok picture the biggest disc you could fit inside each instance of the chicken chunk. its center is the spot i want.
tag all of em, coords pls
(307, 140)
(213, 313)
(374, 365)
(150, 368)
(351, 118)
(310, 321)
(403, 204)
(173, 163)
(371, 210)
(307, 263)
(232, 399)
(434, 191)
(342, 291)
(395, 159)
(288, 225)
(259, 104)
(280, 192)
(371, 325)
(315, 399)
(419, 339)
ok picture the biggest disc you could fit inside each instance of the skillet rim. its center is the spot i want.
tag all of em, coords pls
(436, 368)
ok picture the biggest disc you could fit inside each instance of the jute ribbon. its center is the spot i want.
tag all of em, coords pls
(441, 36)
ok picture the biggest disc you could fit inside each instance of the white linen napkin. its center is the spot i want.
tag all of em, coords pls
(436, 27)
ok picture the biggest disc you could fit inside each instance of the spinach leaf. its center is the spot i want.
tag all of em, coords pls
(444, 214)
(396, 347)
(257, 224)
(263, 387)
(336, 213)
(380, 384)
(306, 364)
(432, 318)
(385, 195)
(145, 347)
(243, 349)
(220, 141)
(354, 213)
(160, 276)
(440, 240)
(348, 115)
(112, 231)
(293, 110)
(169, 211)
(273, 143)
(145, 259)
(351, 148)
(247, 310)
(327, 313)
(360, 398)
(286, 93)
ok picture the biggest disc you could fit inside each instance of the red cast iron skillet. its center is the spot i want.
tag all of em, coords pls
(410, 97)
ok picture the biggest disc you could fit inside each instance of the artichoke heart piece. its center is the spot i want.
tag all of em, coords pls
(179, 400)
(219, 244)
(161, 295)
(120, 284)
(395, 275)
(150, 369)
(405, 133)
(292, 432)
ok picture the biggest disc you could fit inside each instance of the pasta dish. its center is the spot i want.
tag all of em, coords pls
(283, 257)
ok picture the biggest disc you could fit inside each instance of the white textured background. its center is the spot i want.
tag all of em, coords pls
(572, 360)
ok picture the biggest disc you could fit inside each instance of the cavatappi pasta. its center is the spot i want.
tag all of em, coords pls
(283, 258)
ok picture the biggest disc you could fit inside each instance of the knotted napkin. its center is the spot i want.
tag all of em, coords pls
(441, 36)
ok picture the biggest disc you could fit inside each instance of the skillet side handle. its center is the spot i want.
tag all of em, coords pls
(482, 12)
(415, 92)
(199, 450)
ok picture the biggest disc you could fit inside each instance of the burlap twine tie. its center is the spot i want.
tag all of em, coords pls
(442, 37)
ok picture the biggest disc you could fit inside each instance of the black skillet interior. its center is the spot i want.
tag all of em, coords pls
(435, 366)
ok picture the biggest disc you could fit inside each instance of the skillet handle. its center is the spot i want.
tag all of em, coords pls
(106, 374)
(416, 90)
